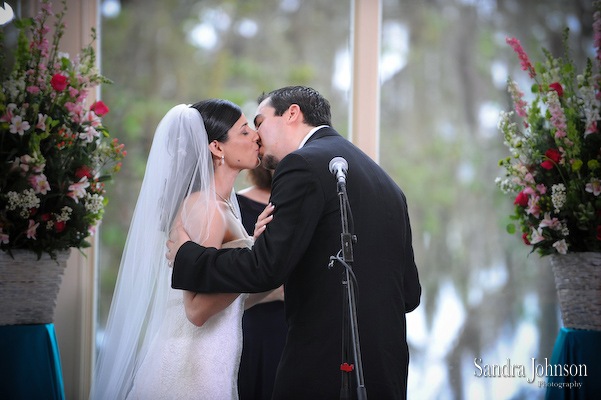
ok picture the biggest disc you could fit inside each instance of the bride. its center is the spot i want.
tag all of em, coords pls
(162, 343)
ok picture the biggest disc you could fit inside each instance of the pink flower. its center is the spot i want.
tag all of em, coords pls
(592, 128)
(597, 37)
(47, 8)
(92, 229)
(537, 235)
(524, 61)
(561, 246)
(521, 199)
(31, 231)
(92, 118)
(542, 189)
(41, 122)
(558, 119)
(70, 106)
(9, 114)
(73, 92)
(33, 89)
(40, 183)
(18, 125)
(529, 191)
(99, 108)
(4, 237)
(549, 222)
(59, 82)
(594, 187)
(516, 95)
(533, 207)
(83, 94)
(89, 134)
(78, 190)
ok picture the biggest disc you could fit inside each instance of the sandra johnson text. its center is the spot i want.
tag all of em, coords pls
(519, 370)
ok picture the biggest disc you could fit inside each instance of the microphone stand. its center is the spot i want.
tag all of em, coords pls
(350, 333)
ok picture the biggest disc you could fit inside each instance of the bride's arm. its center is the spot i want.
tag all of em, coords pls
(265, 297)
(202, 306)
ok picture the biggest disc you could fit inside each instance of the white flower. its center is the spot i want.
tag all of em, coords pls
(558, 196)
(13, 201)
(94, 203)
(65, 214)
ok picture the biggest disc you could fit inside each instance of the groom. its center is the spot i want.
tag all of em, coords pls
(298, 142)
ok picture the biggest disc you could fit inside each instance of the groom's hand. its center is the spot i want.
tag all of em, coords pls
(177, 238)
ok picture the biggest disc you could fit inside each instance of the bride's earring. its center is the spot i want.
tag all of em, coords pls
(222, 160)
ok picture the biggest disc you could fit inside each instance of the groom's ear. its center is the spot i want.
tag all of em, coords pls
(294, 114)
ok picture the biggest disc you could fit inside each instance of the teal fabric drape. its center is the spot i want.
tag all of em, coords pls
(30, 366)
(575, 348)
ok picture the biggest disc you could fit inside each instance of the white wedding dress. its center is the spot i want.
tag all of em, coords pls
(190, 362)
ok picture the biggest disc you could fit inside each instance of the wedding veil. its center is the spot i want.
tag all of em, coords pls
(180, 163)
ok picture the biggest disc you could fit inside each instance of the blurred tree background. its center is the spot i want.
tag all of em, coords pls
(443, 83)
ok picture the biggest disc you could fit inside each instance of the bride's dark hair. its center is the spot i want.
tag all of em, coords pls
(218, 116)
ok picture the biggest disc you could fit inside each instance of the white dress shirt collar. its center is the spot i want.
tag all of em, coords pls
(311, 132)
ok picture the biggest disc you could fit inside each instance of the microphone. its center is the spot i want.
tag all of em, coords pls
(338, 167)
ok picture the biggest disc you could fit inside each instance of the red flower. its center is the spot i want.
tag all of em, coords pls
(46, 217)
(557, 87)
(60, 225)
(82, 171)
(521, 199)
(59, 82)
(599, 232)
(553, 156)
(525, 237)
(99, 108)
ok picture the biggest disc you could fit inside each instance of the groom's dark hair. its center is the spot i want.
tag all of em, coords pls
(314, 106)
(218, 117)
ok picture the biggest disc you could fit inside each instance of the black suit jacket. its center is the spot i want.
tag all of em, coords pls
(295, 250)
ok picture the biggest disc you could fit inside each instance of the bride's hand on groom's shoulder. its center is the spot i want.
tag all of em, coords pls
(177, 238)
(263, 219)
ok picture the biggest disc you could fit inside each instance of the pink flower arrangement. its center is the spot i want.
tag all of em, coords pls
(55, 154)
(554, 173)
